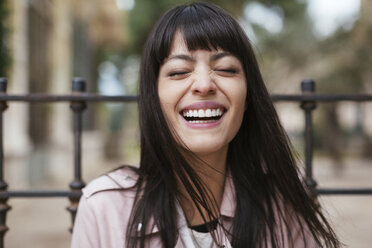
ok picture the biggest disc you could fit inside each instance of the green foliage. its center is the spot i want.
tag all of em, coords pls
(143, 17)
(4, 34)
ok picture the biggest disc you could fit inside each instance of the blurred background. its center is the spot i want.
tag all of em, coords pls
(45, 43)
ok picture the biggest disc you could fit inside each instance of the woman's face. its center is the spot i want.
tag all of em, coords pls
(202, 95)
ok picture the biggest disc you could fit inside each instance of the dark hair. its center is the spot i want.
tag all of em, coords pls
(259, 158)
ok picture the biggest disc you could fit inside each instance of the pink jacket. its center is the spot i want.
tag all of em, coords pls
(105, 208)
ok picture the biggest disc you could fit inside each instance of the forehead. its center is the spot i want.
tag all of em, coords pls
(180, 50)
(178, 44)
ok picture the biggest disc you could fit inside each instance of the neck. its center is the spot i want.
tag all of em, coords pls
(211, 169)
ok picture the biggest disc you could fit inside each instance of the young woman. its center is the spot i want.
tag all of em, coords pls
(216, 166)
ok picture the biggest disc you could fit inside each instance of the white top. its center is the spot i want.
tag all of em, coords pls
(202, 240)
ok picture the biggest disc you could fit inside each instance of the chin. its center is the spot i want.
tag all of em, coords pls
(203, 148)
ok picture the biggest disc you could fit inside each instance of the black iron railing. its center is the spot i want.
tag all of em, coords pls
(78, 99)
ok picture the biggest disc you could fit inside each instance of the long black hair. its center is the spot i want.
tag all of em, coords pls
(270, 194)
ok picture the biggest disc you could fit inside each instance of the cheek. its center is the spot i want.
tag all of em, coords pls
(164, 97)
(166, 107)
(162, 92)
(239, 98)
(170, 94)
(239, 94)
(169, 98)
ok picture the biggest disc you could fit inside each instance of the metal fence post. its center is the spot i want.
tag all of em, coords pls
(308, 88)
(78, 87)
(4, 207)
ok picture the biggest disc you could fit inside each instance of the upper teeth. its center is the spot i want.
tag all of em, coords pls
(203, 113)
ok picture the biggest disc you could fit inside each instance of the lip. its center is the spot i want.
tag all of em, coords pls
(204, 125)
(203, 105)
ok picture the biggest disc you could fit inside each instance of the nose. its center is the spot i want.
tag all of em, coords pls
(203, 84)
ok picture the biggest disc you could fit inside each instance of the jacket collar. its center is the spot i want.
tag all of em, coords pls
(228, 204)
(227, 209)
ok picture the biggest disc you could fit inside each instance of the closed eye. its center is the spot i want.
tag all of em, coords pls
(226, 72)
(232, 71)
(177, 74)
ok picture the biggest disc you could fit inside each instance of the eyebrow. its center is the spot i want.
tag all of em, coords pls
(189, 58)
(181, 56)
(219, 55)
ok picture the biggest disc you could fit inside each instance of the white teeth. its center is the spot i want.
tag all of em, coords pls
(198, 122)
(201, 113)
(208, 113)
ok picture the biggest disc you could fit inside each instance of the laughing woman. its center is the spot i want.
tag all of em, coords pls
(216, 167)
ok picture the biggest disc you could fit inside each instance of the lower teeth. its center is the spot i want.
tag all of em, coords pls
(199, 122)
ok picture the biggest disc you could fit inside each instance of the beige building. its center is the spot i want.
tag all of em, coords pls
(53, 41)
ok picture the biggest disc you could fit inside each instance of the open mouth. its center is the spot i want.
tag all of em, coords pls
(203, 115)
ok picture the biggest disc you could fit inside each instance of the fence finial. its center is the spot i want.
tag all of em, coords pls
(78, 85)
(308, 85)
(3, 84)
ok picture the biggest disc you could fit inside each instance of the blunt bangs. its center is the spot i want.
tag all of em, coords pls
(203, 27)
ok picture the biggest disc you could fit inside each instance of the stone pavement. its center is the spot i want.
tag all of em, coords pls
(351, 215)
